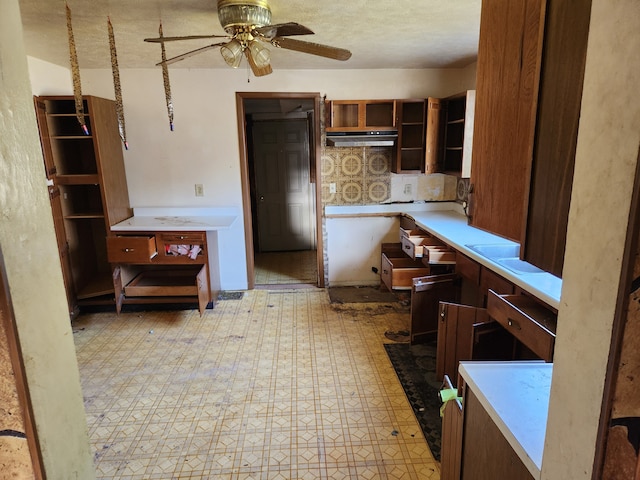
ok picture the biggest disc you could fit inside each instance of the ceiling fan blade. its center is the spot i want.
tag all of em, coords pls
(257, 71)
(189, 37)
(283, 30)
(169, 61)
(312, 48)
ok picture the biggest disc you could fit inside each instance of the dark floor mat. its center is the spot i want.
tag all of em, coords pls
(415, 366)
(224, 295)
(361, 295)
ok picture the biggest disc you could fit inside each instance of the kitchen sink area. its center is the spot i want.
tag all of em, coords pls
(507, 255)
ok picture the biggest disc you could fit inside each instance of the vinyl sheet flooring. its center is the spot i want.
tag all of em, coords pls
(270, 384)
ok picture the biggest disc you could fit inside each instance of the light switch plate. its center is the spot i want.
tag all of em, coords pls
(199, 190)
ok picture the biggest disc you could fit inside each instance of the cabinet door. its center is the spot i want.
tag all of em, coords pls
(565, 45)
(426, 294)
(509, 55)
(63, 249)
(432, 139)
(469, 333)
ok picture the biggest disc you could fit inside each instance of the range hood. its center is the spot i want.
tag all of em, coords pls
(362, 139)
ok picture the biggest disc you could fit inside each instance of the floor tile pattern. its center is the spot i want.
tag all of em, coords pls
(283, 268)
(278, 384)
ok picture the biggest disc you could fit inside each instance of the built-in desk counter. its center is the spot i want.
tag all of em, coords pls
(165, 255)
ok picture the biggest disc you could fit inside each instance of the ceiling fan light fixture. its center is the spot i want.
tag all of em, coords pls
(243, 13)
(232, 53)
(261, 55)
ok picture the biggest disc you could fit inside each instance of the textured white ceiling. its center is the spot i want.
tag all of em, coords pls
(379, 33)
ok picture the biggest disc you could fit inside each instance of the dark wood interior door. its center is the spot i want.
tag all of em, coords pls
(285, 202)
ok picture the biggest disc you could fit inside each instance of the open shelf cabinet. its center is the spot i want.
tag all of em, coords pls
(87, 176)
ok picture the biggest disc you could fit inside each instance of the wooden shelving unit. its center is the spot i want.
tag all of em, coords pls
(87, 172)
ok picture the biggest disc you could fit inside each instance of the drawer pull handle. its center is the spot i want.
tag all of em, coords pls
(513, 323)
(128, 250)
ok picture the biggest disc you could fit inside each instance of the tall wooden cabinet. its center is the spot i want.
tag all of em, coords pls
(88, 191)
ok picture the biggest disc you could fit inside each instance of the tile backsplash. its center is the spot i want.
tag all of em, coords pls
(362, 176)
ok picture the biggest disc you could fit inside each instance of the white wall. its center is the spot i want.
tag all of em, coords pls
(48, 78)
(606, 157)
(31, 261)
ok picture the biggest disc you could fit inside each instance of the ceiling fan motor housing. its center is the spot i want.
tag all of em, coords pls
(243, 13)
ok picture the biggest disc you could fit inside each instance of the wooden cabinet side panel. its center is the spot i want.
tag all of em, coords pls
(486, 454)
(109, 156)
(507, 84)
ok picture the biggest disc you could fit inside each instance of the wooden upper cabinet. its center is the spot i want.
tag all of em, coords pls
(508, 71)
(457, 133)
(360, 115)
(563, 63)
(411, 123)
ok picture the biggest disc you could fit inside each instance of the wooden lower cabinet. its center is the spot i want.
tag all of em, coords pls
(486, 454)
(160, 267)
(426, 294)
(468, 333)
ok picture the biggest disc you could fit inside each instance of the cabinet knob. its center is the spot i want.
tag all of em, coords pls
(127, 250)
(513, 323)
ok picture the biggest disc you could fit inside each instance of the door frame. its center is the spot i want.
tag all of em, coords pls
(314, 174)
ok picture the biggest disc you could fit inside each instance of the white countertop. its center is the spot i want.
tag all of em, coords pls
(446, 221)
(160, 219)
(516, 397)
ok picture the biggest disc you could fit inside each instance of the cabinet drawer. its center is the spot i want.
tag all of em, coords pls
(182, 247)
(437, 254)
(181, 237)
(163, 283)
(398, 272)
(527, 320)
(414, 245)
(139, 249)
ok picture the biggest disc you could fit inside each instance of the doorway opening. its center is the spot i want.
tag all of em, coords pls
(280, 168)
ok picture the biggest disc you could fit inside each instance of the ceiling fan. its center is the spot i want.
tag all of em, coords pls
(248, 25)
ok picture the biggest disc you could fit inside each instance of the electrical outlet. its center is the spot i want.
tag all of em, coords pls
(407, 189)
(332, 188)
(199, 190)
